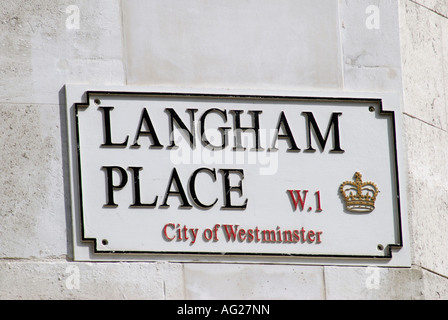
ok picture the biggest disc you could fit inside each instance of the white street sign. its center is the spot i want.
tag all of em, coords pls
(235, 175)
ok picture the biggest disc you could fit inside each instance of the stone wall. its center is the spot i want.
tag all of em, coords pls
(46, 44)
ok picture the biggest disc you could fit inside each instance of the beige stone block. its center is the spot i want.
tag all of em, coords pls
(49, 44)
(32, 199)
(427, 190)
(438, 6)
(370, 45)
(423, 63)
(435, 286)
(245, 281)
(58, 280)
(373, 283)
(260, 44)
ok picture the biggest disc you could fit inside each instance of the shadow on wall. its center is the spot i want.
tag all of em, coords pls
(65, 170)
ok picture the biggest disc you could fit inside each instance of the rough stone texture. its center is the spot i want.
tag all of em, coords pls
(438, 6)
(67, 280)
(371, 57)
(424, 60)
(222, 281)
(40, 54)
(427, 194)
(424, 35)
(435, 286)
(32, 219)
(373, 283)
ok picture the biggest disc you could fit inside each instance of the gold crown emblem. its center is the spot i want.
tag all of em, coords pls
(359, 196)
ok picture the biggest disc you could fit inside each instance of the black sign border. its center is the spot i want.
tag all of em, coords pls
(386, 113)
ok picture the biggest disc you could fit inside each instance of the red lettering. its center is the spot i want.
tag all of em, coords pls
(209, 236)
(311, 235)
(242, 234)
(215, 230)
(296, 235)
(319, 208)
(268, 235)
(250, 235)
(230, 232)
(302, 234)
(257, 236)
(165, 233)
(233, 232)
(185, 229)
(318, 237)
(299, 199)
(287, 236)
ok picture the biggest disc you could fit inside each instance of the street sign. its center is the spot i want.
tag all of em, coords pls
(237, 175)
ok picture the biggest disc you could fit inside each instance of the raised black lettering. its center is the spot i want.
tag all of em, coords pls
(254, 129)
(333, 123)
(174, 118)
(107, 130)
(283, 124)
(178, 193)
(228, 189)
(150, 132)
(111, 187)
(137, 197)
(193, 194)
(205, 142)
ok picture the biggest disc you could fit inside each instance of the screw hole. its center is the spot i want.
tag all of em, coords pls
(380, 247)
(372, 109)
(105, 242)
(97, 101)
